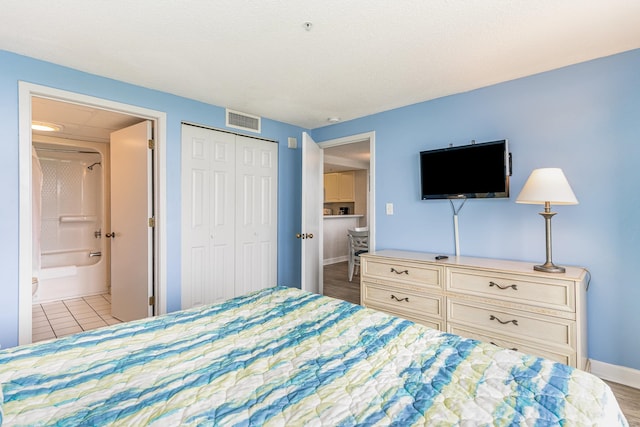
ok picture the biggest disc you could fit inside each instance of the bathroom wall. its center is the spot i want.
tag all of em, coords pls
(71, 201)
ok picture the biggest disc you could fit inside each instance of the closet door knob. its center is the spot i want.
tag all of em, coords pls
(111, 235)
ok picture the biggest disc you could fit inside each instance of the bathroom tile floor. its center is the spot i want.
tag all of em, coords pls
(60, 318)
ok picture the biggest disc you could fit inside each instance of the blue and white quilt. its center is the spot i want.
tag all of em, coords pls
(284, 357)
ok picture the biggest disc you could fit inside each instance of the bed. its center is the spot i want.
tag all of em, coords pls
(285, 357)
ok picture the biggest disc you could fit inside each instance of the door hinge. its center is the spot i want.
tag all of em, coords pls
(152, 222)
(152, 300)
(152, 144)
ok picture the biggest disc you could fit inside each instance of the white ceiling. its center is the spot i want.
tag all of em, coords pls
(78, 122)
(344, 157)
(358, 58)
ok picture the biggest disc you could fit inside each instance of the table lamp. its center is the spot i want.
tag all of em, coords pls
(544, 187)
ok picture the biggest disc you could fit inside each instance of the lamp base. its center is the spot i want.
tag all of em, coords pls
(549, 268)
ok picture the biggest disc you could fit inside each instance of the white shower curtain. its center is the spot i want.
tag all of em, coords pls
(36, 210)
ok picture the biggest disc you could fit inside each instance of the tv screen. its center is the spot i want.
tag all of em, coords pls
(470, 171)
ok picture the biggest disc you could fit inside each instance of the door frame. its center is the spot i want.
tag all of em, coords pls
(159, 118)
(371, 202)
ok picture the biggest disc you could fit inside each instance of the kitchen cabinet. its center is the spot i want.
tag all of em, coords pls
(339, 187)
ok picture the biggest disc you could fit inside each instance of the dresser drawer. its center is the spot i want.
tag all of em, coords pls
(548, 293)
(430, 322)
(512, 344)
(405, 272)
(399, 301)
(515, 323)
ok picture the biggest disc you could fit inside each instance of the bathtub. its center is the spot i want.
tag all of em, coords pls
(71, 274)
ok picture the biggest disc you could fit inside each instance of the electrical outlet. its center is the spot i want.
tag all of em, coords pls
(389, 208)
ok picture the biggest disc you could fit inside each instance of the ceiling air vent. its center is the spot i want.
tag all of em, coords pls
(238, 120)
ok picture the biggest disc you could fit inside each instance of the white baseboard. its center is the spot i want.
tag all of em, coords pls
(336, 260)
(618, 374)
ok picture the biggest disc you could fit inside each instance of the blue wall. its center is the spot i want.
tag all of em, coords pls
(584, 119)
(14, 68)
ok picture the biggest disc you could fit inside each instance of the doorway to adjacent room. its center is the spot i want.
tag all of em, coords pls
(154, 227)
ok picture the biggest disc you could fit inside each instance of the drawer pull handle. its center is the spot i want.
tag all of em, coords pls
(399, 299)
(492, 317)
(515, 287)
(512, 348)
(393, 270)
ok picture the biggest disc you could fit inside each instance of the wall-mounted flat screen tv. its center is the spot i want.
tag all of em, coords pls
(479, 170)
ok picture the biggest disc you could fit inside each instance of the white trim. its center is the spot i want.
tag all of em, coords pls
(617, 374)
(25, 243)
(329, 261)
(348, 139)
(25, 92)
(371, 205)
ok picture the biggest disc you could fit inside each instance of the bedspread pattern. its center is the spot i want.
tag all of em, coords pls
(282, 356)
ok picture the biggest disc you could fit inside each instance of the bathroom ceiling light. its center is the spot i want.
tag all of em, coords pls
(333, 119)
(46, 127)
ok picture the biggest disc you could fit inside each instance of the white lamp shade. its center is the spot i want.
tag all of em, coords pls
(547, 185)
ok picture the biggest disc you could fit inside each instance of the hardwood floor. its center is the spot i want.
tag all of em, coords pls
(629, 401)
(336, 284)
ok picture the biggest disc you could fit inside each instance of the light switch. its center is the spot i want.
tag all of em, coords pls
(389, 208)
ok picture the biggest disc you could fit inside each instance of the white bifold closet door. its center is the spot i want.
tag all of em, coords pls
(229, 215)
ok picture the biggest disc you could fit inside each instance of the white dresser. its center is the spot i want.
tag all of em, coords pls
(506, 303)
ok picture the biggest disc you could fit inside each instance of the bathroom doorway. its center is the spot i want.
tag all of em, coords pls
(84, 125)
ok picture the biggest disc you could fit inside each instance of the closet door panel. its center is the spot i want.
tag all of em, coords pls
(208, 163)
(256, 234)
(223, 219)
(195, 216)
(199, 273)
(199, 247)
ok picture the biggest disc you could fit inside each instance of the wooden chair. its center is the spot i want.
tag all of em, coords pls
(358, 244)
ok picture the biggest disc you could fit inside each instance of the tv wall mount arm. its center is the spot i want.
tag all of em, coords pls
(455, 223)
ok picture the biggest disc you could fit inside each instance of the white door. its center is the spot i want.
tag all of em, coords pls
(208, 216)
(131, 208)
(229, 215)
(312, 203)
(256, 214)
